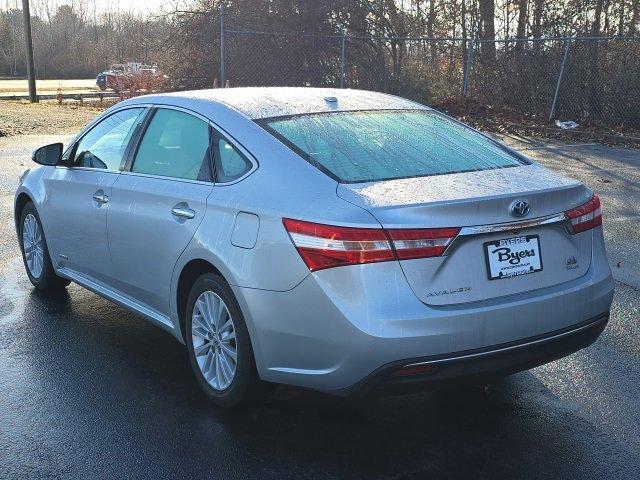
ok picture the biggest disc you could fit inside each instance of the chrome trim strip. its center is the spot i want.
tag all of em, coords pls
(512, 347)
(511, 226)
(118, 298)
(164, 177)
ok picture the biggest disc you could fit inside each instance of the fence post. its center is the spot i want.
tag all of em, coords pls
(342, 57)
(567, 44)
(223, 73)
(467, 68)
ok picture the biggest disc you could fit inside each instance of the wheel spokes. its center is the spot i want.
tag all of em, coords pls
(229, 352)
(213, 339)
(202, 349)
(33, 245)
(199, 326)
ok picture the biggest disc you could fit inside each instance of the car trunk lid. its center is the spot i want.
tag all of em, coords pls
(480, 202)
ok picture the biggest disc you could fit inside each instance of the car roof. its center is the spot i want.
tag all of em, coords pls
(267, 102)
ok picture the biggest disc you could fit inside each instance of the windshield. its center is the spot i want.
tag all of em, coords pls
(369, 146)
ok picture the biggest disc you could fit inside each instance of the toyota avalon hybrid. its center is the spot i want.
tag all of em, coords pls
(341, 240)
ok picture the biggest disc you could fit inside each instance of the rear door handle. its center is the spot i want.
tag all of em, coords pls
(183, 212)
(102, 199)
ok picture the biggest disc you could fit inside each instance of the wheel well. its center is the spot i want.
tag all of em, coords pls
(22, 200)
(190, 272)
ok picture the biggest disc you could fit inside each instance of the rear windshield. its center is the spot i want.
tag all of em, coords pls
(369, 146)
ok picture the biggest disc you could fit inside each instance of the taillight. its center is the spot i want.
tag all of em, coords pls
(587, 216)
(327, 246)
(421, 242)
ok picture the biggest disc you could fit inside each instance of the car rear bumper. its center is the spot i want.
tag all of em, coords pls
(343, 329)
(482, 364)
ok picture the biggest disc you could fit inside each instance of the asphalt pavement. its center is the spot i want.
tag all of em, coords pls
(88, 390)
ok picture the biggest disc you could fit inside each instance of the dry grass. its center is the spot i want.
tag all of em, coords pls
(508, 121)
(23, 118)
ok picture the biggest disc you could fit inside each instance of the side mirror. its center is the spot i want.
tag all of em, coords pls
(48, 155)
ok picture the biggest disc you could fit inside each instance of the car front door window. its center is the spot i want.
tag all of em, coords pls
(105, 144)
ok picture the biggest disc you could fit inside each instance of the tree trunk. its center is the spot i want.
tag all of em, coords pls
(595, 107)
(595, 30)
(431, 20)
(487, 15)
(635, 9)
(521, 32)
(607, 23)
(536, 27)
(463, 23)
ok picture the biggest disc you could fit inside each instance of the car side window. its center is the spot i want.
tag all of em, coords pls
(230, 163)
(175, 144)
(105, 144)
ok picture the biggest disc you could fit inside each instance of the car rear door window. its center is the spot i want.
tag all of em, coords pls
(230, 163)
(105, 144)
(175, 144)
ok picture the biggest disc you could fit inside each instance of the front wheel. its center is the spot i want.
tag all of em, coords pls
(218, 342)
(35, 253)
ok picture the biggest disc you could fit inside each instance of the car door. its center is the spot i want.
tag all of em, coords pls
(157, 204)
(78, 193)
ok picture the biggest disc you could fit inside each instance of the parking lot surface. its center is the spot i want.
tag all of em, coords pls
(88, 390)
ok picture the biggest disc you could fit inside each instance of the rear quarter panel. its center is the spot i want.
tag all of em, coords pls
(283, 185)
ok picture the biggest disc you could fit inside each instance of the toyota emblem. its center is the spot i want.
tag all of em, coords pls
(520, 208)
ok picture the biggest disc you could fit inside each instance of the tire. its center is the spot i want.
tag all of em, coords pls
(37, 261)
(215, 345)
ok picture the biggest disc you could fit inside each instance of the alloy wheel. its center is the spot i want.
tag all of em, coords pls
(214, 340)
(33, 245)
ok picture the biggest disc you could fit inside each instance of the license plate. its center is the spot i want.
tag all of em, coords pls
(511, 257)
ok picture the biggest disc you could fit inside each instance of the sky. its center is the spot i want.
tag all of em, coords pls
(137, 6)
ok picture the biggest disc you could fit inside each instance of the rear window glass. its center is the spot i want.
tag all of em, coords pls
(370, 146)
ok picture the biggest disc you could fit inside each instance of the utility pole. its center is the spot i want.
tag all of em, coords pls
(14, 35)
(28, 44)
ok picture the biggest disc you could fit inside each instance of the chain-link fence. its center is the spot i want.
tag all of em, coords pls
(593, 80)
(425, 70)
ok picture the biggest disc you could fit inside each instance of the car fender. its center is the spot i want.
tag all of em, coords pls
(31, 185)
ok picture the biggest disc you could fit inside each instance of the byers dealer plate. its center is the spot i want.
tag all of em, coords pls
(511, 257)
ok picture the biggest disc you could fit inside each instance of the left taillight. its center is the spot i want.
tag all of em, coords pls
(326, 246)
(586, 216)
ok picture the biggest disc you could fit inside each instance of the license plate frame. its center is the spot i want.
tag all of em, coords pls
(520, 241)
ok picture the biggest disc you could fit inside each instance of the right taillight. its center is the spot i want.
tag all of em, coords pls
(327, 246)
(586, 216)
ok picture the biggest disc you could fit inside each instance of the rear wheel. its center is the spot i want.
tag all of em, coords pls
(218, 342)
(35, 253)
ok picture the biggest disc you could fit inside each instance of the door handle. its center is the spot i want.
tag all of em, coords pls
(183, 212)
(102, 199)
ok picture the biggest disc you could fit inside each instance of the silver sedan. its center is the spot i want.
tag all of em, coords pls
(340, 240)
